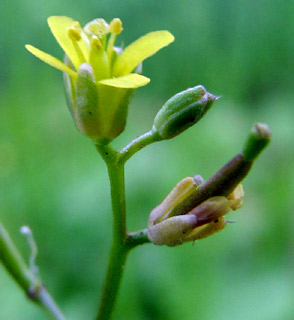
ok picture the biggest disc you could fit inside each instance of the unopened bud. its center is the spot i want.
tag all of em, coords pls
(182, 111)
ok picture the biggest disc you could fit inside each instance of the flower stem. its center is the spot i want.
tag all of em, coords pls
(119, 250)
(138, 144)
(137, 238)
(122, 242)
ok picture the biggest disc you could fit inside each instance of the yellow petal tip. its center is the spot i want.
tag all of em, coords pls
(129, 81)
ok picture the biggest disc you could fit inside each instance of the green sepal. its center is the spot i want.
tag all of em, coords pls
(182, 111)
(115, 102)
(88, 117)
(69, 85)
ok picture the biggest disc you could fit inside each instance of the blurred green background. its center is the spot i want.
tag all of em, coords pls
(53, 180)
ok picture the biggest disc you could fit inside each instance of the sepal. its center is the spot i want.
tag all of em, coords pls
(87, 103)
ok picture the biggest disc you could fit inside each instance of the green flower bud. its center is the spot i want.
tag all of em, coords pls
(182, 111)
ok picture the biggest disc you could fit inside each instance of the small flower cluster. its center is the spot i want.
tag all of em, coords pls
(201, 222)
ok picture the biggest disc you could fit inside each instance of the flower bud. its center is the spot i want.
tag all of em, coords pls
(182, 110)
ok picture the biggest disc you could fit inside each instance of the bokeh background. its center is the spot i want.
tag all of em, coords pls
(53, 180)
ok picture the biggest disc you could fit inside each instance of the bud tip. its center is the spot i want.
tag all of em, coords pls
(258, 139)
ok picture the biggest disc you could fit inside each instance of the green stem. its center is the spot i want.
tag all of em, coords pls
(119, 250)
(137, 238)
(32, 286)
(138, 144)
(122, 242)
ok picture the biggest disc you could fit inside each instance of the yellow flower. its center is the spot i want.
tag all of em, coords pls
(99, 77)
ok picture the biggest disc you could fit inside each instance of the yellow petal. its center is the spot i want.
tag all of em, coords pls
(52, 61)
(139, 50)
(59, 26)
(130, 81)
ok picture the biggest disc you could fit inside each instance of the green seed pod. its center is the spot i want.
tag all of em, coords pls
(182, 111)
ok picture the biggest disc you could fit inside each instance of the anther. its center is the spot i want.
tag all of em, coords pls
(95, 42)
(116, 26)
(75, 36)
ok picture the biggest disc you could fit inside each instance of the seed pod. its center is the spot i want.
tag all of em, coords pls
(182, 111)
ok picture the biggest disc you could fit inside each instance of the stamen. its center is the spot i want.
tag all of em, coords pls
(116, 26)
(95, 42)
(75, 36)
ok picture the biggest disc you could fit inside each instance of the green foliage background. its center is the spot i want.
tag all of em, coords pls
(53, 180)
